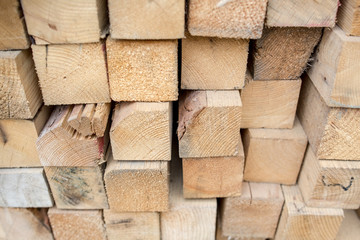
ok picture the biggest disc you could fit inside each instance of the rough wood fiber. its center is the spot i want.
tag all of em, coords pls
(20, 95)
(298, 221)
(282, 53)
(226, 19)
(220, 236)
(141, 131)
(72, 73)
(209, 123)
(142, 70)
(350, 227)
(213, 63)
(65, 21)
(348, 17)
(100, 119)
(161, 19)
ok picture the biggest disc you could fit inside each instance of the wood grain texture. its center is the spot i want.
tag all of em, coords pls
(65, 21)
(20, 95)
(141, 131)
(72, 73)
(209, 123)
(301, 13)
(226, 19)
(282, 53)
(213, 63)
(350, 227)
(161, 19)
(348, 17)
(142, 70)
(299, 221)
(101, 118)
(220, 236)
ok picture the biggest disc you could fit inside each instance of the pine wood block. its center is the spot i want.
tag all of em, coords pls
(20, 95)
(137, 186)
(335, 69)
(301, 13)
(298, 221)
(220, 236)
(13, 33)
(72, 73)
(61, 145)
(255, 213)
(77, 187)
(333, 133)
(141, 131)
(129, 226)
(77, 224)
(101, 118)
(18, 140)
(330, 183)
(65, 21)
(213, 177)
(348, 17)
(274, 155)
(213, 63)
(144, 71)
(160, 19)
(269, 104)
(209, 123)
(24, 188)
(282, 53)
(226, 19)
(24, 223)
(350, 227)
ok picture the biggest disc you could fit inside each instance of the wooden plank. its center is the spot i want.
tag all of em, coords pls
(282, 53)
(65, 21)
(299, 221)
(348, 17)
(75, 116)
(213, 63)
(160, 19)
(213, 177)
(19, 91)
(13, 33)
(72, 73)
(330, 183)
(335, 69)
(137, 186)
(333, 133)
(255, 213)
(350, 227)
(220, 236)
(77, 224)
(77, 187)
(18, 223)
(274, 155)
(101, 118)
(209, 123)
(18, 140)
(269, 104)
(226, 19)
(24, 188)
(143, 71)
(129, 226)
(87, 115)
(301, 13)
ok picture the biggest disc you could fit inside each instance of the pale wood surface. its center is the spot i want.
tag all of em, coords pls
(101, 118)
(141, 131)
(226, 19)
(75, 116)
(213, 63)
(87, 115)
(142, 70)
(220, 236)
(348, 17)
(350, 227)
(161, 19)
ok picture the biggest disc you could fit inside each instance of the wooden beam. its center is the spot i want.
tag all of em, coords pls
(87, 115)
(333, 133)
(298, 221)
(24, 188)
(19, 92)
(77, 224)
(213, 63)
(350, 227)
(209, 123)
(348, 17)
(330, 183)
(72, 73)
(282, 53)
(159, 19)
(255, 213)
(141, 131)
(66, 21)
(143, 71)
(226, 19)
(274, 155)
(220, 236)
(301, 13)
(100, 119)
